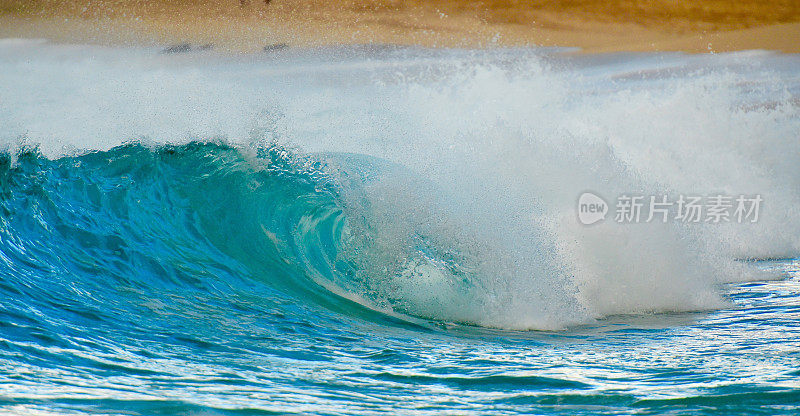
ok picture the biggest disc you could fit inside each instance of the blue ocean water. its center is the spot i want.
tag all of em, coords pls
(387, 230)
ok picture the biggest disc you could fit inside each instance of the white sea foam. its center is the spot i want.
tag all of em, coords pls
(504, 143)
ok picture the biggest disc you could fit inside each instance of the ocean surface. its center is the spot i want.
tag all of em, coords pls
(385, 230)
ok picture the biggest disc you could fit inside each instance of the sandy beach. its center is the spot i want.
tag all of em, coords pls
(593, 26)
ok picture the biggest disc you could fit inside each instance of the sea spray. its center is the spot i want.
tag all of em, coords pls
(495, 148)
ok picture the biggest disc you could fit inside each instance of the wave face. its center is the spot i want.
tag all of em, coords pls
(218, 219)
(380, 228)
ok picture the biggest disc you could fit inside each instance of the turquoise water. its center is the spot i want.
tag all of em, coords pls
(381, 230)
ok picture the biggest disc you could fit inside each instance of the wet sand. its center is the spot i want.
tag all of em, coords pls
(593, 25)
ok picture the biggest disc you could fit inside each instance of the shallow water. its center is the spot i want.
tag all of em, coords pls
(366, 230)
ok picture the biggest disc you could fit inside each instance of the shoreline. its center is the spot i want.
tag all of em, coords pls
(229, 26)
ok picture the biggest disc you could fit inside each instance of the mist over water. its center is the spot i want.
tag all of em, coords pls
(412, 189)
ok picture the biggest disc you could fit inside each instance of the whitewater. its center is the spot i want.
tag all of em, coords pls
(382, 229)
